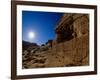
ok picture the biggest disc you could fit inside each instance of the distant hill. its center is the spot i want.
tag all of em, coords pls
(28, 46)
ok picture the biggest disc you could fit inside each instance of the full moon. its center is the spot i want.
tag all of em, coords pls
(31, 35)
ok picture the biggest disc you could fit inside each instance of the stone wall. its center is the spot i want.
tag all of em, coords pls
(74, 42)
(72, 25)
(77, 50)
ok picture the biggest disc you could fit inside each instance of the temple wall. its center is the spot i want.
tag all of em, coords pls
(77, 48)
(75, 24)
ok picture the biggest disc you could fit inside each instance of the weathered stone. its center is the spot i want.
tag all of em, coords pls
(72, 26)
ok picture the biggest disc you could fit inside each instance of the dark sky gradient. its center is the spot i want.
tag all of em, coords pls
(41, 23)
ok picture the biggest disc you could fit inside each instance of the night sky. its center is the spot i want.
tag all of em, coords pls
(41, 23)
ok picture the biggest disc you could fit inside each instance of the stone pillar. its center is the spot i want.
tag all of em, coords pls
(50, 42)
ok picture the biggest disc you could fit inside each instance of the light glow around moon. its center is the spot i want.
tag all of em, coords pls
(31, 35)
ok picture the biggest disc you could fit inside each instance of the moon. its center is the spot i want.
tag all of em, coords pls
(31, 35)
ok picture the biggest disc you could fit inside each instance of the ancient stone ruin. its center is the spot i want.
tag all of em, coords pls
(71, 26)
(69, 48)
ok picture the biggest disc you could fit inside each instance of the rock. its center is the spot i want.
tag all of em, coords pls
(29, 46)
(72, 25)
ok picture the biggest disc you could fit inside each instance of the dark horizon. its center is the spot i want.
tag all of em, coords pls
(41, 23)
